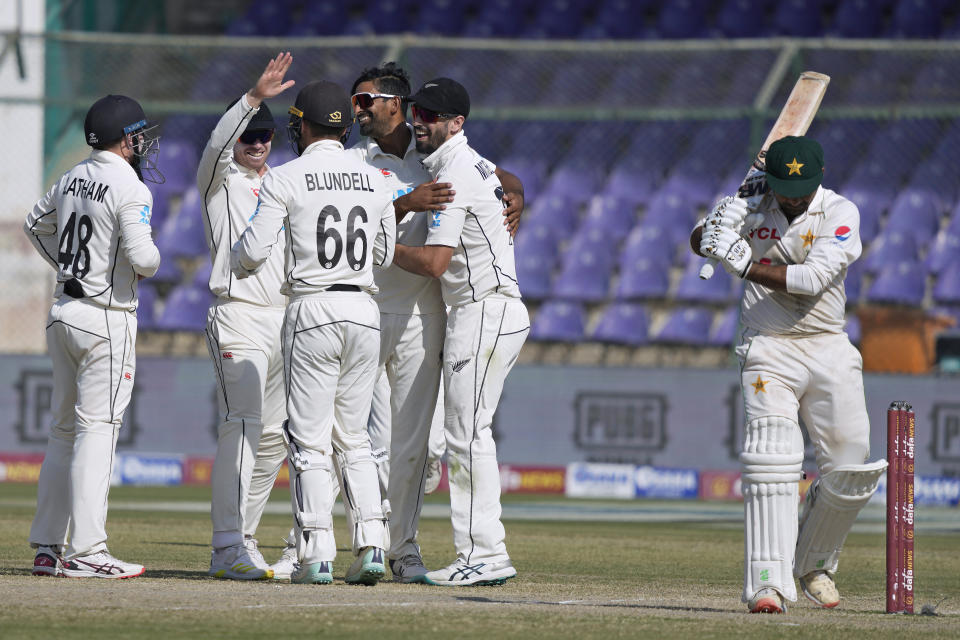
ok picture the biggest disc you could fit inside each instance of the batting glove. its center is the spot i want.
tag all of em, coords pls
(727, 246)
(729, 212)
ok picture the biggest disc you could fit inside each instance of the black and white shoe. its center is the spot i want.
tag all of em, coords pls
(100, 565)
(477, 574)
(409, 569)
(47, 562)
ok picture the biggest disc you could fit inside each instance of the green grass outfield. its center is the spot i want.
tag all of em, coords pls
(579, 577)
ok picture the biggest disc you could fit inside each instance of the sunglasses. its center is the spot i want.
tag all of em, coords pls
(365, 100)
(257, 135)
(428, 116)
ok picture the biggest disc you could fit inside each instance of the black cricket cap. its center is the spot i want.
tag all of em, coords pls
(443, 95)
(110, 118)
(325, 103)
(262, 119)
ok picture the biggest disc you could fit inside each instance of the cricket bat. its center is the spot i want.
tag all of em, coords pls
(794, 120)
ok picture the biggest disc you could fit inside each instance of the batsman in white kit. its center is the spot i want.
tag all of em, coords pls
(470, 251)
(337, 216)
(795, 362)
(93, 227)
(243, 332)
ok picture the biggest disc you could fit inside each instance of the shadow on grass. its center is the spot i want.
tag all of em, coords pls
(179, 544)
(581, 603)
(179, 574)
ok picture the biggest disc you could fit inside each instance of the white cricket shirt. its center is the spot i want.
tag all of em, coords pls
(822, 242)
(482, 263)
(337, 214)
(229, 193)
(400, 291)
(94, 225)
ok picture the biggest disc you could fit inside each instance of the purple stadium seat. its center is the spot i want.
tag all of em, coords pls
(672, 212)
(534, 273)
(890, 248)
(201, 277)
(272, 18)
(682, 19)
(556, 19)
(585, 275)
(632, 180)
(532, 174)
(612, 214)
(388, 16)
(168, 272)
(177, 160)
(557, 211)
(183, 234)
(686, 325)
(947, 288)
(853, 283)
(852, 328)
(641, 278)
(647, 241)
(598, 240)
(619, 19)
(146, 305)
(439, 17)
(244, 27)
(724, 332)
(742, 19)
(916, 212)
(937, 177)
(185, 309)
(858, 19)
(917, 19)
(498, 19)
(944, 252)
(699, 189)
(899, 283)
(559, 322)
(623, 323)
(692, 288)
(877, 176)
(799, 18)
(871, 205)
(537, 237)
(576, 181)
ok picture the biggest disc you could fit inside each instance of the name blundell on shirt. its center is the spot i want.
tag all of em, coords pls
(337, 182)
(89, 189)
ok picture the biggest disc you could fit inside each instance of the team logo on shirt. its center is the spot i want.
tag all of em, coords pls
(145, 214)
(842, 233)
(386, 172)
(256, 191)
(435, 219)
(227, 355)
(128, 376)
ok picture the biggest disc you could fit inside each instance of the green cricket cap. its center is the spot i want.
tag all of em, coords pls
(794, 166)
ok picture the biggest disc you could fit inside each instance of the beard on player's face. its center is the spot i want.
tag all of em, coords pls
(430, 137)
(794, 207)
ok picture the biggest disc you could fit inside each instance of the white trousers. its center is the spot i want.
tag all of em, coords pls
(438, 437)
(403, 410)
(819, 379)
(244, 344)
(483, 340)
(331, 346)
(94, 364)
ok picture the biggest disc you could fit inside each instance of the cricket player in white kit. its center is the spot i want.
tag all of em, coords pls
(243, 331)
(337, 215)
(795, 361)
(93, 227)
(412, 311)
(470, 251)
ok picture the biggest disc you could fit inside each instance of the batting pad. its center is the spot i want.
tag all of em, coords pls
(311, 481)
(833, 503)
(771, 468)
(362, 500)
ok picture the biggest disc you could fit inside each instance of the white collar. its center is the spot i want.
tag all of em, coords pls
(373, 148)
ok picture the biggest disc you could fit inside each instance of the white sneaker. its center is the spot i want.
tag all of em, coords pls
(47, 562)
(409, 569)
(434, 473)
(767, 600)
(461, 574)
(100, 565)
(820, 589)
(235, 563)
(286, 565)
(253, 549)
(367, 568)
